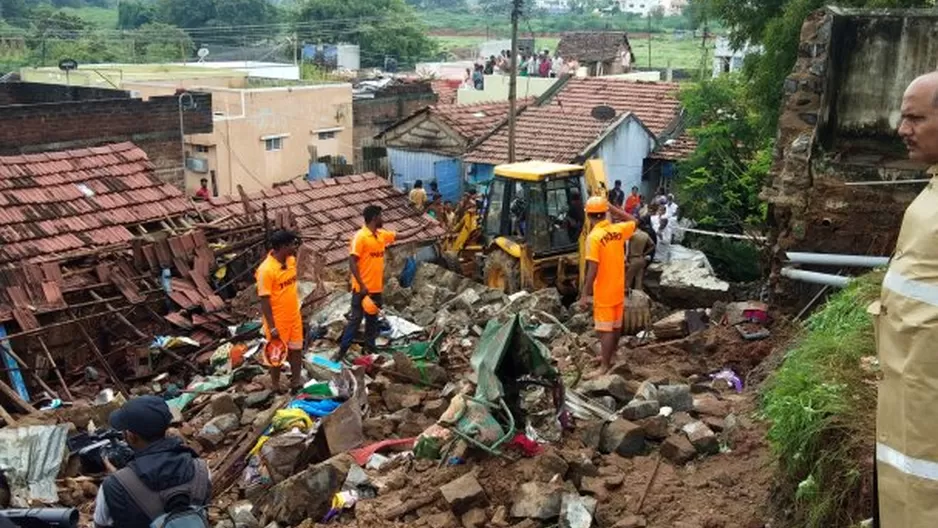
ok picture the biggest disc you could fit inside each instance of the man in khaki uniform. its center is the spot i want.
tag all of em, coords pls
(906, 331)
(641, 250)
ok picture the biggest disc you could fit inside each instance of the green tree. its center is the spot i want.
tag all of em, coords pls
(13, 11)
(186, 13)
(132, 14)
(382, 28)
(161, 43)
(721, 180)
(244, 12)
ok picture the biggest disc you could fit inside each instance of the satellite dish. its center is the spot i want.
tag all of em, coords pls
(202, 53)
(603, 113)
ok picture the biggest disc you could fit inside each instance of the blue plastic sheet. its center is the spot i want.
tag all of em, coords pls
(316, 409)
(16, 377)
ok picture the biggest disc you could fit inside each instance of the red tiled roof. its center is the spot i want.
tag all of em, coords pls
(331, 209)
(654, 103)
(58, 202)
(543, 133)
(563, 128)
(678, 149)
(472, 121)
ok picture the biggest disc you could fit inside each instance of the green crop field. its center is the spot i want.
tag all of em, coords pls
(682, 53)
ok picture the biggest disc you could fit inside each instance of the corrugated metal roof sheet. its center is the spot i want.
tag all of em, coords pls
(63, 201)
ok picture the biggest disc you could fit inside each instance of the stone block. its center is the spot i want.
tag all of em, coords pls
(464, 494)
(655, 427)
(639, 409)
(710, 405)
(622, 437)
(537, 500)
(224, 404)
(608, 385)
(702, 438)
(678, 449)
(576, 511)
(677, 397)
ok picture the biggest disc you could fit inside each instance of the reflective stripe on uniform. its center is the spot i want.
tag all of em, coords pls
(911, 288)
(915, 467)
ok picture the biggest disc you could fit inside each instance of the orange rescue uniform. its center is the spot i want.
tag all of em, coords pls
(606, 247)
(369, 247)
(278, 282)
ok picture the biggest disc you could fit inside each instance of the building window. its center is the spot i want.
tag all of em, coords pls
(201, 148)
(327, 135)
(273, 144)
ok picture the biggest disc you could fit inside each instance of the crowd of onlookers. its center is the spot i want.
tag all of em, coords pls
(532, 64)
(658, 218)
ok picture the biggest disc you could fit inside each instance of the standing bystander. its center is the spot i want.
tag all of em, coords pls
(280, 305)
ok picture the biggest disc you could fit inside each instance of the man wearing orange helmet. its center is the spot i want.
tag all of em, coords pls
(366, 264)
(605, 273)
(280, 304)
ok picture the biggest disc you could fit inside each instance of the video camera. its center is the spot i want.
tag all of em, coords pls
(93, 448)
(40, 518)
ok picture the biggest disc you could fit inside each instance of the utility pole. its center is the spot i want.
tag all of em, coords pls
(649, 40)
(513, 78)
(296, 48)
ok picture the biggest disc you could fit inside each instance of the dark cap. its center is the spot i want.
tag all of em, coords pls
(146, 416)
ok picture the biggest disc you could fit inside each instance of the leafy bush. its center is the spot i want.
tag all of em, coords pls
(822, 408)
(732, 260)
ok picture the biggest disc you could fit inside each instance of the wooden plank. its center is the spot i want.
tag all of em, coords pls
(12, 395)
(101, 359)
(55, 368)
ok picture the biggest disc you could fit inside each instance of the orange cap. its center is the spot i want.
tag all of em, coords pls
(597, 205)
(369, 306)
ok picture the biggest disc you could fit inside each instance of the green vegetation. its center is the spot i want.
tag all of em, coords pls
(98, 17)
(822, 405)
(682, 53)
(498, 23)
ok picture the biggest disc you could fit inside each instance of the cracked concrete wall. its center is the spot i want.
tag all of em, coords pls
(838, 126)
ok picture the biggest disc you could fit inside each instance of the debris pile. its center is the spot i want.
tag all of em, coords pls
(474, 412)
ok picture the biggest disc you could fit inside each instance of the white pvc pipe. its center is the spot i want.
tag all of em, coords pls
(834, 259)
(816, 278)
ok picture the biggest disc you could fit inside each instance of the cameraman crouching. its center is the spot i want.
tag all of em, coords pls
(164, 474)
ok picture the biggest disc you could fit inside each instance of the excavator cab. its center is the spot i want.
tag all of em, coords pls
(534, 224)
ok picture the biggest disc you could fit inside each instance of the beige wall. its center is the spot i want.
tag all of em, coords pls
(244, 118)
(496, 89)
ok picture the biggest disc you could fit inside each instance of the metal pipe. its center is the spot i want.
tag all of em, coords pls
(836, 259)
(889, 182)
(814, 277)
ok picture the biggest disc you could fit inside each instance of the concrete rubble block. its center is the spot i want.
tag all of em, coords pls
(608, 385)
(537, 500)
(647, 391)
(703, 439)
(710, 405)
(306, 495)
(430, 372)
(680, 419)
(402, 396)
(546, 332)
(500, 517)
(464, 494)
(576, 511)
(408, 423)
(638, 409)
(439, 520)
(224, 404)
(622, 437)
(214, 432)
(655, 427)
(468, 297)
(258, 399)
(677, 397)
(242, 515)
(678, 449)
(474, 518)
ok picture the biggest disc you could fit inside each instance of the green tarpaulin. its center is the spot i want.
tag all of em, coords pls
(507, 351)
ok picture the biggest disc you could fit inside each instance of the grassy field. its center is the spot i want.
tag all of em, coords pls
(102, 17)
(682, 54)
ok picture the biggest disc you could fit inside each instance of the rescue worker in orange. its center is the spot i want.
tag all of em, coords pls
(366, 264)
(280, 304)
(604, 284)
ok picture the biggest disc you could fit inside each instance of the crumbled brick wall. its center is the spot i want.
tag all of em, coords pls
(373, 116)
(153, 125)
(819, 150)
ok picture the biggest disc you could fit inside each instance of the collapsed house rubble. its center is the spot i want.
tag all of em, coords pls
(475, 411)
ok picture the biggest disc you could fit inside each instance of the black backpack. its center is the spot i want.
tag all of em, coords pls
(177, 507)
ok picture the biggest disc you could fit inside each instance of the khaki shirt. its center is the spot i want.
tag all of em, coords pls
(640, 244)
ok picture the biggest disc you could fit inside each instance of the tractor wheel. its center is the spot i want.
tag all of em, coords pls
(502, 272)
